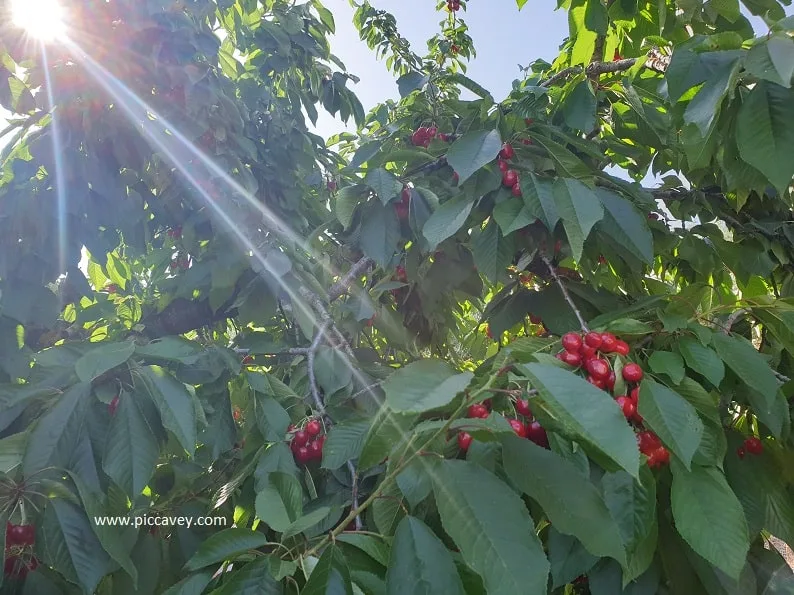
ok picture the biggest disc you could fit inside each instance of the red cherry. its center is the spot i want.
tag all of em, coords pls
(405, 195)
(610, 381)
(173, 265)
(616, 56)
(331, 185)
(237, 414)
(503, 165)
(608, 343)
(597, 382)
(632, 372)
(572, 342)
(22, 535)
(602, 259)
(572, 359)
(754, 446)
(400, 274)
(113, 405)
(635, 394)
(464, 441)
(621, 347)
(488, 404)
(741, 452)
(509, 178)
(488, 332)
(316, 450)
(371, 321)
(247, 360)
(648, 442)
(528, 121)
(507, 151)
(598, 368)
(478, 410)
(627, 406)
(300, 438)
(527, 141)
(587, 351)
(455, 177)
(537, 434)
(444, 136)
(419, 137)
(112, 288)
(314, 427)
(14, 567)
(593, 340)
(518, 427)
(522, 408)
(302, 455)
(535, 319)
(659, 457)
(516, 189)
(653, 216)
(432, 132)
(292, 428)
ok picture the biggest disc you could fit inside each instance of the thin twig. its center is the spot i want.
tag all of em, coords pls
(593, 69)
(341, 287)
(354, 489)
(565, 294)
(732, 320)
(315, 390)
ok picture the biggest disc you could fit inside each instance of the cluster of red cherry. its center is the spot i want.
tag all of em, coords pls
(530, 428)
(509, 176)
(752, 445)
(453, 5)
(18, 557)
(586, 351)
(424, 134)
(307, 443)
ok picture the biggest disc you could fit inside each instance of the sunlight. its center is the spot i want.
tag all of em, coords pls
(42, 19)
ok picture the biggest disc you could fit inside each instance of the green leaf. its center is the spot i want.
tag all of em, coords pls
(632, 504)
(772, 60)
(58, 432)
(424, 385)
(175, 404)
(131, 450)
(579, 108)
(673, 419)
(742, 358)
(710, 518)
(568, 164)
(363, 154)
(332, 369)
(272, 419)
(191, 585)
(702, 360)
(568, 558)
(99, 360)
(626, 225)
(492, 527)
(307, 521)
(331, 575)
(347, 199)
(375, 547)
(472, 151)
(380, 233)
(588, 413)
(493, 252)
(12, 450)
(384, 183)
(764, 138)
(579, 209)
(573, 504)
(410, 82)
(705, 106)
(467, 83)
(225, 545)
(387, 429)
(68, 544)
(254, 578)
(668, 363)
(344, 442)
(538, 195)
(420, 563)
(447, 220)
(280, 502)
(512, 215)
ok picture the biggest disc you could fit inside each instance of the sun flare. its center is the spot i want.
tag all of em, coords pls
(42, 19)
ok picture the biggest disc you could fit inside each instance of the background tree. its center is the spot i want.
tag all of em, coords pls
(449, 353)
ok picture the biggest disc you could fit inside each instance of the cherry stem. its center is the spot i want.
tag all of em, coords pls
(565, 294)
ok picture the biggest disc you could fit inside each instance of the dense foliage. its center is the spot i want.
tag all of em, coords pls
(447, 354)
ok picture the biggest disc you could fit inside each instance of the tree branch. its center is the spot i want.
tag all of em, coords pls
(732, 320)
(565, 294)
(342, 286)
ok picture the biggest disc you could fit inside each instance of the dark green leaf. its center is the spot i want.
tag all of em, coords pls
(424, 385)
(668, 363)
(447, 220)
(225, 545)
(176, 405)
(331, 575)
(702, 360)
(491, 526)
(472, 151)
(579, 208)
(344, 442)
(101, 359)
(420, 563)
